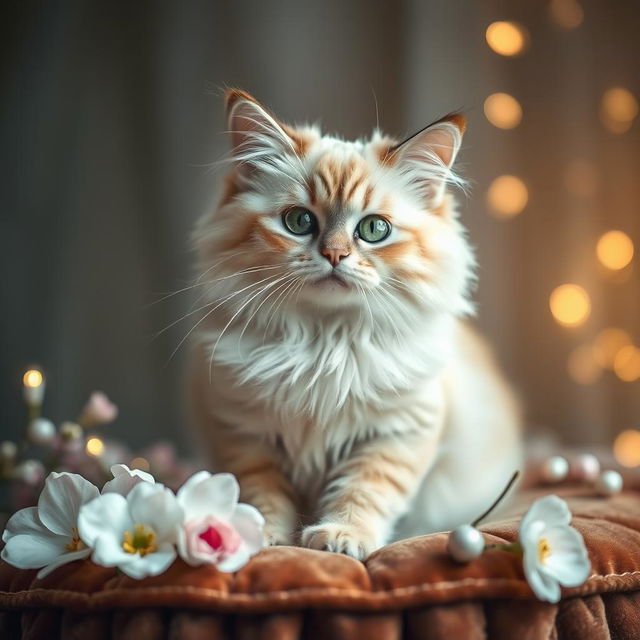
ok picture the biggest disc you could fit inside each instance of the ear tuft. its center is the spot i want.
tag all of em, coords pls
(232, 95)
(456, 118)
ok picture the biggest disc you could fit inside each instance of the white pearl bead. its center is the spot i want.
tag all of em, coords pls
(30, 472)
(41, 431)
(609, 483)
(586, 467)
(8, 451)
(465, 543)
(554, 469)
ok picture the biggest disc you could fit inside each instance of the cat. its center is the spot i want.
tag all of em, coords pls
(334, 371)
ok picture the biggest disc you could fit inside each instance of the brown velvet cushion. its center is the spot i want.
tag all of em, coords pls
(409, 589)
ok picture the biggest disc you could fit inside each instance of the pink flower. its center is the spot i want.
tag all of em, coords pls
(217, 529)
(98, 410)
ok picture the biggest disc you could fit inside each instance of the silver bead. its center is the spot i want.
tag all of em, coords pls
(586, 467)
(609, 483)
(30, 471)
(465, 543)
(41, 431)
(554, 469)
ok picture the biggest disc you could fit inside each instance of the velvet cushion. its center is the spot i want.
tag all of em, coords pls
(409, 589)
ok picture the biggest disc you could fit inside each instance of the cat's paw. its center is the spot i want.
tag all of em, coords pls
(340, 538)
(274, 535)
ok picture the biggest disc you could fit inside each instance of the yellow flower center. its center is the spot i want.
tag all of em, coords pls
(76, 544)
(544, 550)
(142, 540)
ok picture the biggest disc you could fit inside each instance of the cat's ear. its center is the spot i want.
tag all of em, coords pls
(426, 158)
(255, 133)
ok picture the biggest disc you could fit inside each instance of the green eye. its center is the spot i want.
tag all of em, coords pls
(373, 228)
(299, 221)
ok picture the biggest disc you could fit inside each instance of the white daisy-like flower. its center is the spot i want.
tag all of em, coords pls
(136, 533)
(217, 530)
(46, 537)
(554, 552)
(124, 479)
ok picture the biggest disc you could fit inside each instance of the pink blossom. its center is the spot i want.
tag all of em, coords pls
(208, 540)
(98, 410)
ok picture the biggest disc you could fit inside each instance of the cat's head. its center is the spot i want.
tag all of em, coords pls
(332, 225)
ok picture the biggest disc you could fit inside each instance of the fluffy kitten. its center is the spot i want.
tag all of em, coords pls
(333, 374)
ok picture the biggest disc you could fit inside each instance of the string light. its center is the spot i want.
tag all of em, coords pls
(95, 446)
(507, 196)
(618, 109)
(582, 365)
(615, 250)
(506, 38)
(627, 363)
(570, 305)
(626, 448)
(567, 14)
(503, 110)
(607, 345)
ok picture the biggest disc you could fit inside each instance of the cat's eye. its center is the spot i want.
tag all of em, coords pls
(299, 221)
(373, 228)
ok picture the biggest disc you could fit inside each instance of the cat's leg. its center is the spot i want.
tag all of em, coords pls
(370, 490)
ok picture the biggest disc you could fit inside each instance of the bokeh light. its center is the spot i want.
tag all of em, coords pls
(618, 109)
(32, 378)
(581, 178)
(95, 446)
(502, 110)
(626, 448)
(507, 196)
(582, 365)
(506, 38)
(607, 345)
(140, 463)
(567, 14)
(570, 305)
(627, 363)
(615, 250)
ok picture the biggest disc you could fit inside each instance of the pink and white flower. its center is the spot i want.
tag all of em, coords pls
(554, 552)
(98, 410)
(46, 537)
(136, 533)
(217, 530)
(125, 479)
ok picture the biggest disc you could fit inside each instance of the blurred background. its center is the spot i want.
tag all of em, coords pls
(112, 114)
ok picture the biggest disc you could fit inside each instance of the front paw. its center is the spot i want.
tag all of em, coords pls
(276, 535)
(351, 540)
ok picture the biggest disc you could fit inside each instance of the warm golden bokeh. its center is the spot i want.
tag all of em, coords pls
(570, 305)
(627, 363)
(581, 178)
(582, 365)
(507, 196)
(32, 378)
(567, 14)
(95, 446)
(618, 109)
(140, 463)
(607, 345)
(503, 111)
(626, 448)
(506, 38)
(615, 250)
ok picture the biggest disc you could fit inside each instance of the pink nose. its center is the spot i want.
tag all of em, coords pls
(334, 255)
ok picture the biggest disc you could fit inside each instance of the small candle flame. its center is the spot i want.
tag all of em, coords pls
(32, 378)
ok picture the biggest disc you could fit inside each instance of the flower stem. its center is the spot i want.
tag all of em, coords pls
(497, 501)
(516, 547)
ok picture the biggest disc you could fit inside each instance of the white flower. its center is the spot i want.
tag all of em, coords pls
(47, 535)
(217, 530)
(124, 479)
(136, 533)
(554, 552)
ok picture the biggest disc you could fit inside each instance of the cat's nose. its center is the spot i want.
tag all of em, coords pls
(334, 255)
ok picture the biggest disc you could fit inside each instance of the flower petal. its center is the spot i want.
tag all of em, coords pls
(157, 507)
(153, 564)
(70, 556)
(61, 499)
(108, 551)
(205, 494)
(24, 522)
(543, 585)
(550, 509)
(124, 479)
(248, 522)
(568, 561)
(32, 551)
(234, 561)
(106, 513)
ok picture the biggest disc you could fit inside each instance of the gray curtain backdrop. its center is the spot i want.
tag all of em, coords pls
(112, 113)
